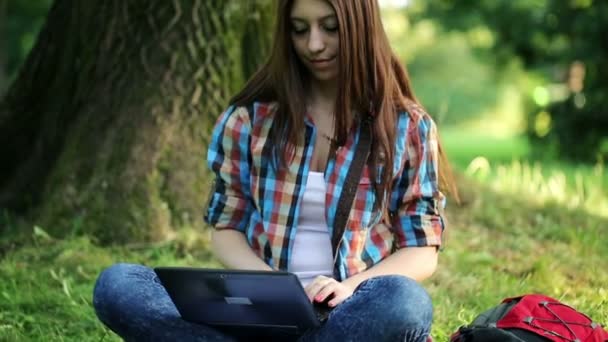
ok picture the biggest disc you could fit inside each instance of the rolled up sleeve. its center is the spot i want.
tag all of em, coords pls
(416, 202)
(229, 204)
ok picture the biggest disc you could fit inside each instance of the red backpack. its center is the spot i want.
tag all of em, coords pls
(531, 318)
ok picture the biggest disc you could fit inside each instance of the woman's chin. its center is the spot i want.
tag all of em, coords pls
(325, 76)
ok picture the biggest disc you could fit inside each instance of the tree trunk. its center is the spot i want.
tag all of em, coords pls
(107, 125)
(257, 35)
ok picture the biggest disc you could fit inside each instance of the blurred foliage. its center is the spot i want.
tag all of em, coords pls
(565, 43)
(23, 20)
(454, 90)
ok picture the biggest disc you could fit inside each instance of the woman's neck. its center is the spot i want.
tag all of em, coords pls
(323, 94)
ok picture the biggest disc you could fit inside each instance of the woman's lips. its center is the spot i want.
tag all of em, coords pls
(322, 63)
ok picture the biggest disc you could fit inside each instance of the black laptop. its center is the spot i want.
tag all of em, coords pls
(242, 302)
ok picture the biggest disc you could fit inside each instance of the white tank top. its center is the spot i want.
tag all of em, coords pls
(311, 254)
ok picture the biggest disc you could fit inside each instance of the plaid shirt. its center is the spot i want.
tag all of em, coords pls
(253, 197)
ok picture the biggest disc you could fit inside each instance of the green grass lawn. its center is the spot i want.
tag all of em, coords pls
(498, 244)
(462, 146)
(505, 164)
(47, 283)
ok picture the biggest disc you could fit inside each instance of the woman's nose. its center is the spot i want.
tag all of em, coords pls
(316, 42)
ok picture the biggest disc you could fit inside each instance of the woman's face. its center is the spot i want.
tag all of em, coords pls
(314, 34)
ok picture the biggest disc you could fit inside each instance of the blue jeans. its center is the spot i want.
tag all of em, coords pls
(130, 300)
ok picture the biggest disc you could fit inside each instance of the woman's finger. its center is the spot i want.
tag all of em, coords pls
(325, 291)
(315, 286)
(339, 298)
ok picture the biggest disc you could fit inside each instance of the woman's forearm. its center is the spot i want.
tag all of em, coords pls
(233, 251)
(417, 263)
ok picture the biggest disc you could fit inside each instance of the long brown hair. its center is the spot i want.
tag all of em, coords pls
(371, 79)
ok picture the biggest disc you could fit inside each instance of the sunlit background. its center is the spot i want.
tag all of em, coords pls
(510, 85)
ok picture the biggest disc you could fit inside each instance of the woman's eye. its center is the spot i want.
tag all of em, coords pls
(331, 28)
(298, 30)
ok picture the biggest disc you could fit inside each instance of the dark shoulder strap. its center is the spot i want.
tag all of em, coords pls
(351, 183)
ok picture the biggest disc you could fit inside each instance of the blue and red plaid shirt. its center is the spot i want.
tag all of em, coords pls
(254, 197)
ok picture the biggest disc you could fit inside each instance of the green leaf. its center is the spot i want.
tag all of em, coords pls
(40, 233)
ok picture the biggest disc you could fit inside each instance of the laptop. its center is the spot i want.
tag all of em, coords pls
(244, 302)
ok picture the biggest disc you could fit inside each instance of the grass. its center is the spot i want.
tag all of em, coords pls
(47, 283)
(524, 227)
(462, 147)
(501, 246)
(502, 241)
(504, 164)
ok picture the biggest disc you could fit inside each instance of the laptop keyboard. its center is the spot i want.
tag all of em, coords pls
(322, 313)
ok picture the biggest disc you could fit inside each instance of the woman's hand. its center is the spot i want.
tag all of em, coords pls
(322, 287)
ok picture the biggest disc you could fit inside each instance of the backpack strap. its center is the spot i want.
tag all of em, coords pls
(351, 183)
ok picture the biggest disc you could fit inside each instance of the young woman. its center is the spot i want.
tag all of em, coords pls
(281, 154)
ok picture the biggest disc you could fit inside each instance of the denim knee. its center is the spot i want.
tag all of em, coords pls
(409, 306)
(110, 285)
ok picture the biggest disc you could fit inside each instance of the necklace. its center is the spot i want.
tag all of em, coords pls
(328, 138)
(325, 136)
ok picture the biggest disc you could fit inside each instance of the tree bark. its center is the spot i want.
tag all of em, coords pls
(108, 122)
